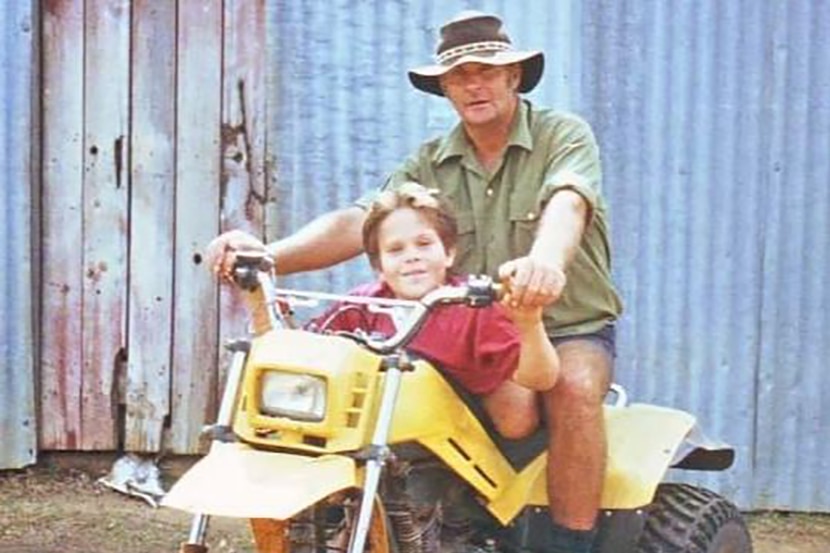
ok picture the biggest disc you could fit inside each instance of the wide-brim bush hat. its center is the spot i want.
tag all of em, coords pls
(473, 36)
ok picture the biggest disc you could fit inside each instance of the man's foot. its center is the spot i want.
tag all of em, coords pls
(566, 540)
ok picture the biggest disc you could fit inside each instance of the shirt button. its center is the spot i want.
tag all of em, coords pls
(489, 192)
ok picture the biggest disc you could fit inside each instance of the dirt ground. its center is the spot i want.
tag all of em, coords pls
(52, 508)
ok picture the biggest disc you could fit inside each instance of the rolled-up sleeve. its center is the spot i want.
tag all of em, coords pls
(573, 164)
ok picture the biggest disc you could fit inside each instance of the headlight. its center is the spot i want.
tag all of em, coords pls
(296, 396)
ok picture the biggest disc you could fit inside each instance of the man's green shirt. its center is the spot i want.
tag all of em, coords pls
(498, 213)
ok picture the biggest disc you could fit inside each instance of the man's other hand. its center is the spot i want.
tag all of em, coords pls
(220, 254)
(533, 283)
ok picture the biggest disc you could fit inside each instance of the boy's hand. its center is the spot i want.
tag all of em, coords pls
(523, 316)
(220, 254)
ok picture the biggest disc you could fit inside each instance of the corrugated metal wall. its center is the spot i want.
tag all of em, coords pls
(715, 127)
(17, 407)
(713, 118)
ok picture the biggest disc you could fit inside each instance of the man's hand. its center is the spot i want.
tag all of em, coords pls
(532, 283)
(220, 254)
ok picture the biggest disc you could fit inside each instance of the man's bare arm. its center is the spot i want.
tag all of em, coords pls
(325, 241)
(560, 230)
(538, 278)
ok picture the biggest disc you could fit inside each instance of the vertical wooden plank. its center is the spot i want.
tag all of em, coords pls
(106, 105)
(62, 288)
(273, 18)
(152, 169)
(195, 326)
(243, 194)
(243, 116)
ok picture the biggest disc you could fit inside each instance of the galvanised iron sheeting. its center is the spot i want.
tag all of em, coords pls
(793, 454)
(345, 113)
(715, 122)
(17, 411)
(713, 119)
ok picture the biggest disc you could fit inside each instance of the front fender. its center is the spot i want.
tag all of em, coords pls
(236, 480)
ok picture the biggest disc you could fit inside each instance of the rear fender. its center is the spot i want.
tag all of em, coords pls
(643, 442)
(699, 452)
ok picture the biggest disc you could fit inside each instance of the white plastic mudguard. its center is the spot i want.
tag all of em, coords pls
(235, 480)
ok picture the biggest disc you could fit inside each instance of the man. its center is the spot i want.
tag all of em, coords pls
(525, 183)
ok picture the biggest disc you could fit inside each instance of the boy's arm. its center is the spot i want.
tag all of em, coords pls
(538, 361)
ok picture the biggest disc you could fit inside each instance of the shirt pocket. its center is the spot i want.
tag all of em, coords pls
(465, 246)
(524, 220)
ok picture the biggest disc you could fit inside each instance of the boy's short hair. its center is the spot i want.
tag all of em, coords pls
(411, 195)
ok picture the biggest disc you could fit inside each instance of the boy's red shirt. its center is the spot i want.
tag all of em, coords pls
(477, 347)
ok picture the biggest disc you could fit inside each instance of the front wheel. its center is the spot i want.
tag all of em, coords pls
(323, 528)
(688, 519)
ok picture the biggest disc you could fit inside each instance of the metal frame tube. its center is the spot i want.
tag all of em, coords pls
(374, 466)
(199, 525)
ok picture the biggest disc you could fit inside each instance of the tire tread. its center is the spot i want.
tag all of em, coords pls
(685, 519)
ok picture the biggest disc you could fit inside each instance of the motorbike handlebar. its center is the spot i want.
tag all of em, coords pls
(247, 267)
(477, 291)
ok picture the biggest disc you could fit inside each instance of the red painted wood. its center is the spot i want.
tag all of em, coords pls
(62, 232)
(152, 143)
(106, 108)
(199, 92)
(244, 192)
(152, 169)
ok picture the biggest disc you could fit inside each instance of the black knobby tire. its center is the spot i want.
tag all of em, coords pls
(688, 519)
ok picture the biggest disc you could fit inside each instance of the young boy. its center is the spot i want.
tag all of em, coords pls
(498, 352)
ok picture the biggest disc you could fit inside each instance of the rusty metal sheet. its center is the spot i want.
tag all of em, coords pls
(152, 170)
(198, 154)
(62, 204)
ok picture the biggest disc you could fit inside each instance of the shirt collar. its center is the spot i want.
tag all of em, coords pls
(456, 143)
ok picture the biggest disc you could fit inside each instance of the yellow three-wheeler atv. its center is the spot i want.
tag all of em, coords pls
(334, 443)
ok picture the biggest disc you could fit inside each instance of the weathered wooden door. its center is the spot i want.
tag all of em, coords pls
(153, 140)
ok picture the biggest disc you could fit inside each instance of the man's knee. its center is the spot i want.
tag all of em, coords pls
(584, 387)
(583, 381)
(585, 376)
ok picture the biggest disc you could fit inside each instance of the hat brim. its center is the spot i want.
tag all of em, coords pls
(427, 78)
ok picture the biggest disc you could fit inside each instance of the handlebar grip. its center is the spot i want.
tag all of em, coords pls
(483, 291)
(247, 266)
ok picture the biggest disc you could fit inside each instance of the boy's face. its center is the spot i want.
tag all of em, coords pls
(412, 258)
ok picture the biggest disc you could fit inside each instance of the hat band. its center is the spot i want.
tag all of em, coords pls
(447, 56)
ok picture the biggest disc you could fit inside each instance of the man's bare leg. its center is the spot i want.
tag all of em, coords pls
(577, 448)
